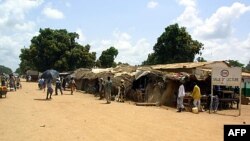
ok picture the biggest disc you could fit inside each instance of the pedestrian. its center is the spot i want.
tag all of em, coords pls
(180, 97)
(58, 86)
(12, 82)
(72, 84)
(18, 82)
(196, 94)
(108, 87)
(101, 88)
(64, 83)
(121, 92)
(49, 89)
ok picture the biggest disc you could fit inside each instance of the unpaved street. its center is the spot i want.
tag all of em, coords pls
(26, 116)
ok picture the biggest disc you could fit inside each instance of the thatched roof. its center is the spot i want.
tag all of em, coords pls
(125, 68)
(188, 65)
(79, 73)
(32, 72)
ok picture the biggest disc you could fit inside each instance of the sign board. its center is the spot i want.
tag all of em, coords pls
(226, 76)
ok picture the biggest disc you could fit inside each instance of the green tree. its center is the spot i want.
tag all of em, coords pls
(18, 70)
(201, 59)
(56, 49)
(235, 63)
(4, 69)
(175, 45)
(107, 57)
(248, 66)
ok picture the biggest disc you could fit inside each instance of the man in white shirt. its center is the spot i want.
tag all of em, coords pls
(181, 94)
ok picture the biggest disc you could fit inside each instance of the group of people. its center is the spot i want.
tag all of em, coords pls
(105, 88)
(12, 82)
(43, 83)
(196, 95)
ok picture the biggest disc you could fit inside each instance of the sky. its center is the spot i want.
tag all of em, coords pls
(131, 26)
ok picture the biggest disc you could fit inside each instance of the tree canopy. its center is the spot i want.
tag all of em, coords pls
(175, 45)
(56, 49)
(107, 58)
(248, 66)
(4, 69)
(235, 63)
(201, 59)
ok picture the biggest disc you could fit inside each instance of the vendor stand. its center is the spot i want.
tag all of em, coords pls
(3, 91)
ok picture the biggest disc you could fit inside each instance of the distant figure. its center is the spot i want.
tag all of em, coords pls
(215, 103)
(3, 79)
(58, 86)
(121, 92)
(181, 94)
(196, 94)
(101, 88)
(72, 84)
(29, 78)
(49, 89)
(64, 83)
(12, 82)
(108, 87)
(18, 82)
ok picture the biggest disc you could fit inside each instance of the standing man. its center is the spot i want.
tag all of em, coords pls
(101, 88)
(59, 86)
(196, 94)
(108, 87)
(181, 94)
(72, 85)
(121, 93)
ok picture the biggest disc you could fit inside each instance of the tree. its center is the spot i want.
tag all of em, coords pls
(107, 57)
(248, 66)
(175, 45)
(235, 63)
(201, 59)
(4, 69)
(18, 70)
(56, 49)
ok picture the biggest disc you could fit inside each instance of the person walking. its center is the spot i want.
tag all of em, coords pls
(64, 83)
(58, 86)
(49, 88)
(180, 97)
(72, 85)
(196, 94)
(108, 87)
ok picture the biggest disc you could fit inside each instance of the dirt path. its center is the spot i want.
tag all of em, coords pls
(26, 116)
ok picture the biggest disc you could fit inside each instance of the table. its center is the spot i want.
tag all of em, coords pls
(188, 102)
(227, 98)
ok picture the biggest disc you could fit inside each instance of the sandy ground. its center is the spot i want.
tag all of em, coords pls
(25, 115)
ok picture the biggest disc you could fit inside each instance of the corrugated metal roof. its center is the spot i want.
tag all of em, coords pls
(188, 65)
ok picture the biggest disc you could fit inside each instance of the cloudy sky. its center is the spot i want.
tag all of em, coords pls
(131, 26)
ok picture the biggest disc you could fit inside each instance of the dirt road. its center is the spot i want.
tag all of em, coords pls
(25, 115)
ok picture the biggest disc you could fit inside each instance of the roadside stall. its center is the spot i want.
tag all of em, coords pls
(3, 91)
(228, 80)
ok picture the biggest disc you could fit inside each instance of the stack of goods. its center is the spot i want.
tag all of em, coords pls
(3, 91)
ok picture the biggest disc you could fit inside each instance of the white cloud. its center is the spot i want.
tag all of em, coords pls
(82, 37)
(15, 29)
(152, 4)
(129, 52)
(219, 25)
(189, 18)
(215, 32)
(52, 13)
